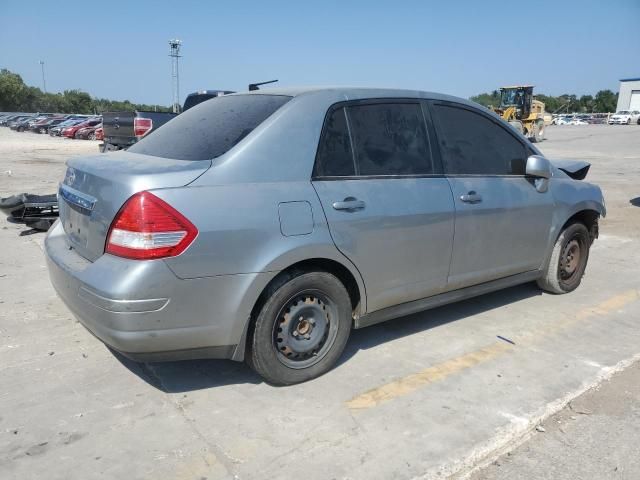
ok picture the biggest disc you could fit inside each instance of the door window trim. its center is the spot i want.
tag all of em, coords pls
(499, 123)
(429, 131)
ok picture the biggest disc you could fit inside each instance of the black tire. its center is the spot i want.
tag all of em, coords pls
(568, 260)
(283, 347)
(91, 136)
(43, 130)
(538, 131)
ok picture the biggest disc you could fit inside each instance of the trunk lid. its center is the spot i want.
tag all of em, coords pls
(94, 189)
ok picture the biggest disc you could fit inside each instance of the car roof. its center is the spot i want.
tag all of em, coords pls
(357, 93)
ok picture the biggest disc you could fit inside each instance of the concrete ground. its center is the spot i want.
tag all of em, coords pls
(426, 396)
(594, 437)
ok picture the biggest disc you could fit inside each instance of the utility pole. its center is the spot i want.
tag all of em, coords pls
(44, 83)
(174, 53)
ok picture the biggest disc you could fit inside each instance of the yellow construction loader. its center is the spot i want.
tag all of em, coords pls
(525, 114)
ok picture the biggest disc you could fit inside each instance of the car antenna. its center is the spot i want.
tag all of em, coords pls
(256, 86)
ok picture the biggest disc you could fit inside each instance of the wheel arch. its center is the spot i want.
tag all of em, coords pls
(588, 217)
(345, 272)
(586, 211)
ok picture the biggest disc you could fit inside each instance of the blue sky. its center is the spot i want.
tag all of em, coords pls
(118, 49)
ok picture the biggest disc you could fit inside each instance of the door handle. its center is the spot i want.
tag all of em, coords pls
(349, 204)
(471, 197)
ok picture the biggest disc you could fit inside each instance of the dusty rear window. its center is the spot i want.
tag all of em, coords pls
(211, 128)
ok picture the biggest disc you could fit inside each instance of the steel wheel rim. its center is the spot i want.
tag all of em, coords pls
(570, 259)
(305, 329)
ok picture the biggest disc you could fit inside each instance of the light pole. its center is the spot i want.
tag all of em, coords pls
(44, 83)
(174, 53)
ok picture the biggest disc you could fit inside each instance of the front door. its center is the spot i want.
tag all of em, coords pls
(502, 222)
(388, 208)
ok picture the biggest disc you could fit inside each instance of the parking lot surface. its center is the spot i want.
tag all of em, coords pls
(425, 396)
(594, 436)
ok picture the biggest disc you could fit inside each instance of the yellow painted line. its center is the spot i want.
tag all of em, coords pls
(411, 383)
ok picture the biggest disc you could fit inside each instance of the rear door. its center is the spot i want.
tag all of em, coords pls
(389, 208)
(502, 222)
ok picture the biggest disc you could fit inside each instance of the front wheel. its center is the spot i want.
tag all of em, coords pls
(301, 329)
(43, 130)
(568, 260)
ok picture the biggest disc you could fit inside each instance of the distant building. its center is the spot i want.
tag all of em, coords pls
(629, 97)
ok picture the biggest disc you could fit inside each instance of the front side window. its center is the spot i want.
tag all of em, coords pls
(390, 139)
(472, 144)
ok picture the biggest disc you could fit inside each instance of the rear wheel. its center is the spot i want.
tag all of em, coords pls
(538, 131)
(301, 329)
(568, 260)
(43, 130)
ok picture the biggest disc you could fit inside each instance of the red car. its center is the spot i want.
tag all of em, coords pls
(70, 132)
(88, 133)
(99, 133)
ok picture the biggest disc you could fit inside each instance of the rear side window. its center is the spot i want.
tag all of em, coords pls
(335, 158)
(472, 144)
(211, 128)
(390, 139)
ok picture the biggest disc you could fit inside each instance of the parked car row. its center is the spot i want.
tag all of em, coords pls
(86, 127)
(579, 119)
(624, 117)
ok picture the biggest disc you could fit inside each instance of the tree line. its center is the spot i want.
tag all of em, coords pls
(603, 102)
(16, 96)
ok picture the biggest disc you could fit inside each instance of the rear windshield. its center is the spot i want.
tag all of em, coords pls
(210, 129)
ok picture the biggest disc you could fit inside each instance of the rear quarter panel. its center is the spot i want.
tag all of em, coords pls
(240, 231)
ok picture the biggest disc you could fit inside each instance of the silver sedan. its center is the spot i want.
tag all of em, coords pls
(264, 226)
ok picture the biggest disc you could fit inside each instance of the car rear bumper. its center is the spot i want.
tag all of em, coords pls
(143, 310)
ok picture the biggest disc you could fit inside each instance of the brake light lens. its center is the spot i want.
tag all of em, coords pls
(142, 126)
(147, 227)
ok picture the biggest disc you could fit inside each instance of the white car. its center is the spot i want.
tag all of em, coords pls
(561, 121)
(577, 121)
(624, 117)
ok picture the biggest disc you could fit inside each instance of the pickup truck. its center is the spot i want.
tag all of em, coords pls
(123, 129)
(200, 96)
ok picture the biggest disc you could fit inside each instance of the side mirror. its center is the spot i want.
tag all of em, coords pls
(538, 166)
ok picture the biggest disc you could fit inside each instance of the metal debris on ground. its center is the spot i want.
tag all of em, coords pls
(38, 212)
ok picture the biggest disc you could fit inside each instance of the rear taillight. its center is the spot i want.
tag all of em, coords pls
(147, 227)
(142, 126)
